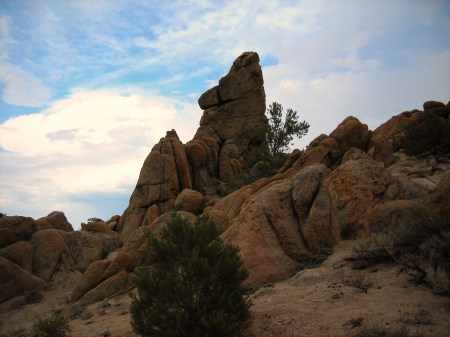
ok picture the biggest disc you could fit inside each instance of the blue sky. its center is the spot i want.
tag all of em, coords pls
(88, 87)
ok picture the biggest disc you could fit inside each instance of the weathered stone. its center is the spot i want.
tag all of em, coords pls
(210, 98)
(107, 288)
(21, 253)
(220, 218)
(267, 233)
(15, 228)
(351, 133)
(356, 185)
(81, 248)
(190, 201)
(432, 104)
(166, 171)
(56, 220)
(327, 150)
(313, 206)
(48, 246)
(234, 112)
(15, 280)
(98, 227)
(91, 278)
(386, 138)
(418, 188)
(438, 202)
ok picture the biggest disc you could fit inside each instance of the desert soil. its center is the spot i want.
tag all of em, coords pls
(326, 301)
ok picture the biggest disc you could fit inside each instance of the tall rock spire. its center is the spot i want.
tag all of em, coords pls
(231, 124)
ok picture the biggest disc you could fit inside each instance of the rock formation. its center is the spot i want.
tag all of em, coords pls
(344, 185)
(234, 111)
(36, 252)
(340, 187)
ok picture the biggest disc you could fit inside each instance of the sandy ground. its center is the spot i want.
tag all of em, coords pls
(326, 301)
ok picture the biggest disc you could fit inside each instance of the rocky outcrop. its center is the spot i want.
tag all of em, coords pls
(230, 127)
(16, 280)
(36, 251)
(234, 112)
(344, 185)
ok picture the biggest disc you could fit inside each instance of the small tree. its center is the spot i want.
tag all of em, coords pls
(280, 134)
(192, 285)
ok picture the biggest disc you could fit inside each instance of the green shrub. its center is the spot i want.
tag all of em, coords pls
(192, 285)
(54, 326)
(429, 132)
(94, 219)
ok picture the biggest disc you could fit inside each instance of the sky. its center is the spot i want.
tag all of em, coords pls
(88, 87)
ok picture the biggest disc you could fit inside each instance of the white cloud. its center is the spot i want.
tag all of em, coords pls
(22, 88)
(89, 142)
(333, 60)
(373, 95)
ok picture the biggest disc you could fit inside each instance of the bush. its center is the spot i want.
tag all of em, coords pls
(94, 219)
(427, 260)
(430, 264)
(429, 132)
(54, 326)
(192, 285)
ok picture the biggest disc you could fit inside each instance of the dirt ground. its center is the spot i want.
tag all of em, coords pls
(332, 300)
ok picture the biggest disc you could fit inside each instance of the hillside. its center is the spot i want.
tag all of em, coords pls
(295, 227)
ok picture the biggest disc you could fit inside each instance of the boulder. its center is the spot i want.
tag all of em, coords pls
(190, 201)
(55, 220)
(16, 280)
(313, 207)
(98, 227)
(418, 188)
(437, 108)
(15, 228)
(267, 233)
(91, 278)
(407, 222)
(356, 185)
(48, 246)
(21, 253)
(351, 133)
(438, 202)
(327, 150)
(81, 248)
(107, 288)
(386, 138)
(163, 176)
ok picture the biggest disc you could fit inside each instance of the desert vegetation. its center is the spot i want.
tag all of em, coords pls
(191, 285)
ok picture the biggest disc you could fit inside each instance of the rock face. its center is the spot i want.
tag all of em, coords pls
(344, 185)
(35, 252)
(234, 112)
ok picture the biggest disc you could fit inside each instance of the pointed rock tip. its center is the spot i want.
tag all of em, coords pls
(245, 59)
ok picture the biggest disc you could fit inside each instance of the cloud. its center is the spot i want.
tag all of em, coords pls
(89, 142)
(22, 88)
(327, 60)
(372, 94)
